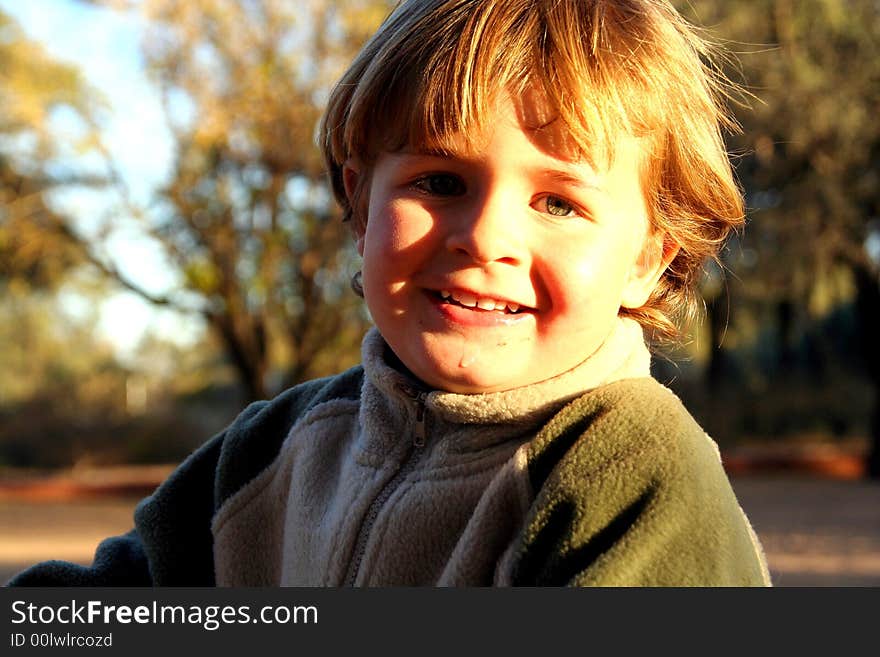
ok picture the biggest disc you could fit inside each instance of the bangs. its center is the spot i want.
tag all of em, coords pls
(441, 88)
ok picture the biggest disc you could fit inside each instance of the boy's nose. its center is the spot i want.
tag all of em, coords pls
(487, 232)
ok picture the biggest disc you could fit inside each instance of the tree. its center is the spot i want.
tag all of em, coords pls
(810, 160)
(247, 218)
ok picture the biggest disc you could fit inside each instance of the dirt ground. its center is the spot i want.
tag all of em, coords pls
(37, 530)
(816, 532)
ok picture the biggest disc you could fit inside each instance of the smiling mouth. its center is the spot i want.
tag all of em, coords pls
(485, 304)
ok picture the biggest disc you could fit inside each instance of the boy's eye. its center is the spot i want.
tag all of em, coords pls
(440, 184)
(558, 207)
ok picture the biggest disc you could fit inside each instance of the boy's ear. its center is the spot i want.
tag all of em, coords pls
(350, 175)
(658, 251)
(351, 178)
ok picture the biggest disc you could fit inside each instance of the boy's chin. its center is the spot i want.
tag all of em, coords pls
(467, 367)
(471, 378)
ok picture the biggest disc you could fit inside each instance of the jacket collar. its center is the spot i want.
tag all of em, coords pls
(622, 355)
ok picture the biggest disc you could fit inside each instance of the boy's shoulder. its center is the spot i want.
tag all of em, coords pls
(254, 438)
(298, 400)
(629, 482)
(622, 424)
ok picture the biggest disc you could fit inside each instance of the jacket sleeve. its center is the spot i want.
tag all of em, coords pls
(629, 491)
(119, 561)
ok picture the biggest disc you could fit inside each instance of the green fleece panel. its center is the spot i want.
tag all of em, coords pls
(633, 493)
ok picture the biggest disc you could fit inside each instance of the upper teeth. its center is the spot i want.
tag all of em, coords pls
(471, 301)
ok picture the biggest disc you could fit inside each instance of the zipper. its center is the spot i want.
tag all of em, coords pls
(421, 433)
(420, 436)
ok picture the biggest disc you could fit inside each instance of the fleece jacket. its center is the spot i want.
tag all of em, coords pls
(368, 479)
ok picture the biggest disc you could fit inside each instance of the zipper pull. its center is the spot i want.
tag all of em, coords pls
(421, 433)
(419, 397)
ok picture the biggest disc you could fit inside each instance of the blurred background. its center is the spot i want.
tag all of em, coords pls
(169, 251)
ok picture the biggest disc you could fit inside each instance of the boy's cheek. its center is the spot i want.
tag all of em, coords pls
(403, 226)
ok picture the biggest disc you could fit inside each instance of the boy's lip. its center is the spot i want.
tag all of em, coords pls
(466, 315)
(448, 294)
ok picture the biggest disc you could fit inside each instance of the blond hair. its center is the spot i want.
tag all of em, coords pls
(433, 70)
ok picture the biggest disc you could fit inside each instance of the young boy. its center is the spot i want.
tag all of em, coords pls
(532, 185)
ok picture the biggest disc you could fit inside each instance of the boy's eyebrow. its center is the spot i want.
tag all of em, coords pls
(567, 178)
(430, 152)
(556, 175)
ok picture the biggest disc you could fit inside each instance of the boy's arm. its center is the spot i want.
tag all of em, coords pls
(119, 561)
(631, 492)
(172, 544)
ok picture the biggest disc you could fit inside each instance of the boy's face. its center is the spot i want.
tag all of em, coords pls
(507, 264)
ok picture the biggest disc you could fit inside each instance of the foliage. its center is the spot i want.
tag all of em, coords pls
(811, 142)
(32, 84)
(34, 248)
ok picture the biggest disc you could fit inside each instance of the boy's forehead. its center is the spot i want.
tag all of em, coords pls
(539, 121)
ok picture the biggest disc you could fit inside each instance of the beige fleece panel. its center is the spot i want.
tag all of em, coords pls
(449, 518)
(493, 528)
(251, 543)
(248, 531)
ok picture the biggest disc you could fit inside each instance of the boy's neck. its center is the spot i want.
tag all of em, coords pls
(623, 355)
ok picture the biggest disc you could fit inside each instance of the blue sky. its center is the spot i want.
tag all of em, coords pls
(105, 44)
